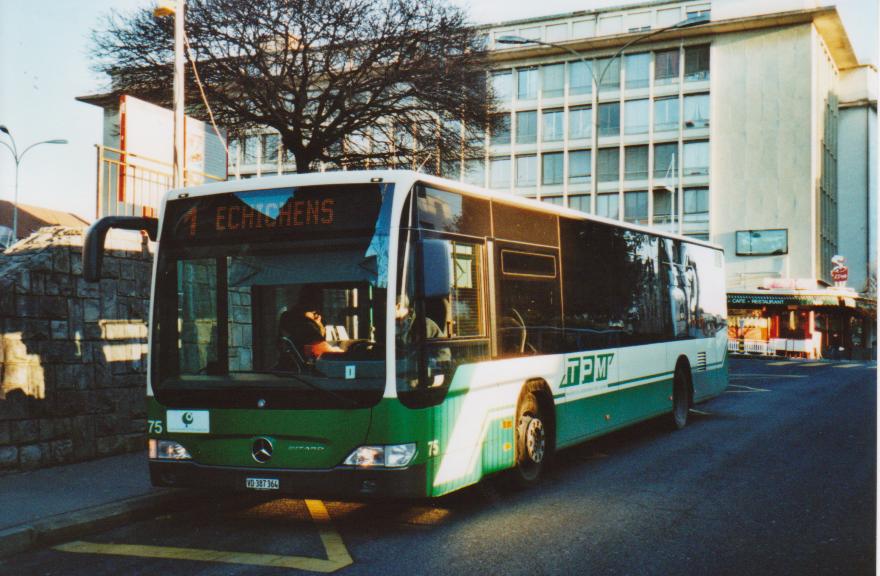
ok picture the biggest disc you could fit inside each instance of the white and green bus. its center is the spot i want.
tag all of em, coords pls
(461, 333)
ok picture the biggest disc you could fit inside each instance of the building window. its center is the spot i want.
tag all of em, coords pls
(666, 67)
(636, 117)
(662, 206)
(611, 78)
(637, 70)
(499, 172)
(636, 163)
(696, 210)
(696, 111)
(526, 127)
(552, 129)
(608, 165)
(580, 122)
(527, 83)
(552, 80)
(451, 169)
(579, 202)
(609, 119)
(501, 130)
(761, 242)
(580, 79)
(270, 149)
(250, 150)
(696, 63)
(666, 114)
(551, 169)
(502, 86)
(698, 12)
(666, 162)
(233, 154)
(696, 158)
(635, 207)
(579, 166)
(526, 171)
(475, 172)
(607, 205)
(555, 200)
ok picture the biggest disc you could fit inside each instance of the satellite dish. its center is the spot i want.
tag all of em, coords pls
(7, 238)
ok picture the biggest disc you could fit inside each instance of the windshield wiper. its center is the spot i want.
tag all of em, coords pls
(298, 377)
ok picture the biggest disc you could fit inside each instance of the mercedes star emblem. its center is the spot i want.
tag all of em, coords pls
(262, 450)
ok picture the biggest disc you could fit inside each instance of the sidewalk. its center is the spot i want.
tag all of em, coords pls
(50, 505)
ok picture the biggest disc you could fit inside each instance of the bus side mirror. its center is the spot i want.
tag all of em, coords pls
(436, 256)
(93, 246)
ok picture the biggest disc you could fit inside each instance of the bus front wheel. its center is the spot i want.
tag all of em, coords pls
(681, 396)
(531, 442)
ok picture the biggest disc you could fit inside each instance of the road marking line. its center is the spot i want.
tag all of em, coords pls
(847, 365)
(745, 388)
(337, 554)
(700, 412)
(782, 363)
(765, 376)
(815, 364)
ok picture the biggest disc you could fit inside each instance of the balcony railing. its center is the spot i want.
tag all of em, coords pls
(132, 184)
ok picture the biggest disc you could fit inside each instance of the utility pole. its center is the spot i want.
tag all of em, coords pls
(177, 8)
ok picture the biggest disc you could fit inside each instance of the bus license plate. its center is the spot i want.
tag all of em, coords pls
(262, 483)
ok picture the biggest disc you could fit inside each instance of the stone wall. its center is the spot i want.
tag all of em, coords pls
(72, 354)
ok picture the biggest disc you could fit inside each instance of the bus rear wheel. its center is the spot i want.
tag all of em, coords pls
(531, 443)
(681, 397)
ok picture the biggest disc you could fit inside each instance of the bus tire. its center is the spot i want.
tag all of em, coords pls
(681, 396)
(532, 447)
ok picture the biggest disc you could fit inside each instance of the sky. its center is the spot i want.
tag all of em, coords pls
(45, 64)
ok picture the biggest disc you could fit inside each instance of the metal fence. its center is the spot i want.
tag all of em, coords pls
(133, 184)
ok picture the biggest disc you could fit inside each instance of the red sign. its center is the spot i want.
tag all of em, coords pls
(840, 274)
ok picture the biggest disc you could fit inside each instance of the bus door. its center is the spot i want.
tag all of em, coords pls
(528, 307)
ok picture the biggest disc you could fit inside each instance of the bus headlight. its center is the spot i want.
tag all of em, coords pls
(167, 450)
(394, 456)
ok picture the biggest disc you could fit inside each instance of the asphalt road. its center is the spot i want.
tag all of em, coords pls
(776, 476)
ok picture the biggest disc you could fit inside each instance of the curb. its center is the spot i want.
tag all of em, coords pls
(71, 525)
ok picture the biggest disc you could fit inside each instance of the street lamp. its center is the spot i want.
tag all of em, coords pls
(18, 157)
(519, 40)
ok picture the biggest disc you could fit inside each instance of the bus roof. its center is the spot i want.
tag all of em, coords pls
(408, 178)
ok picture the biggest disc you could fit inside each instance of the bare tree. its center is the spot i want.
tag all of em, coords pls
(350, 82)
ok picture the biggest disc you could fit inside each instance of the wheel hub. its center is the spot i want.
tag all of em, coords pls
(535, 440)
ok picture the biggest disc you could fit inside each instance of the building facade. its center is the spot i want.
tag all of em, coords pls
(754, 129)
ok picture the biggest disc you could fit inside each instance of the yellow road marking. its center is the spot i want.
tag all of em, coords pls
(846, 365)
(815, 364)
(337, 554)
(781, 363)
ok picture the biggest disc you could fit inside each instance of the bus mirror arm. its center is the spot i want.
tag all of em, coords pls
(93, 246)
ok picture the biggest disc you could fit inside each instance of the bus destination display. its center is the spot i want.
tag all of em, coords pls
(273, 212)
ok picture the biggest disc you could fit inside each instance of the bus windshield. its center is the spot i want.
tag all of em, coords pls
(273, 298)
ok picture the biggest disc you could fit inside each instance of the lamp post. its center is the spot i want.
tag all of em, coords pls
(18, 157)
(519, 40)
(177, 9)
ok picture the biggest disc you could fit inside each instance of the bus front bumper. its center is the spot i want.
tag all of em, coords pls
(341, 483)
